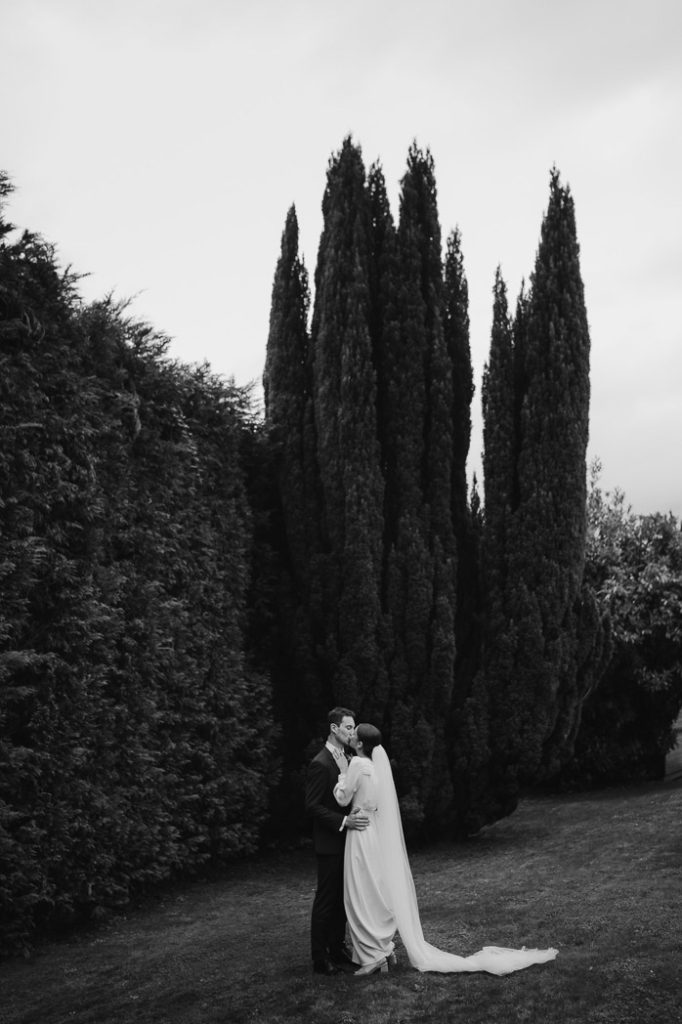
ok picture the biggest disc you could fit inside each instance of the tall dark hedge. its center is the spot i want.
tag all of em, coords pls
(133, 735)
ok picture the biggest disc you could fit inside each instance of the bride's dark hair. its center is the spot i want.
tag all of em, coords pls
(370, 736)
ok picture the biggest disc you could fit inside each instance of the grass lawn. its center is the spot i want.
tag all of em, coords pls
(598, 876)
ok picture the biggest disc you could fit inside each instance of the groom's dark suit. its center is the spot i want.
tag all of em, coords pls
(328, 922)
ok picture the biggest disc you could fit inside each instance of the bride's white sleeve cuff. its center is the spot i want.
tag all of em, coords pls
(339, 789)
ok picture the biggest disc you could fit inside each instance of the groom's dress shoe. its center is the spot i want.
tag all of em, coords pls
(340, 956)
(342, 960)
(324, 967)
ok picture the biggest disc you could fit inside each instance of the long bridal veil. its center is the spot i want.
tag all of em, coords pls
(400, 885)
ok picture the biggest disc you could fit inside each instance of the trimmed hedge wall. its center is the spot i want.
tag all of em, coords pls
(133, 736)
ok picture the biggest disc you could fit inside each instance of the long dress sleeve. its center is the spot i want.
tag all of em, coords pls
(347, 783)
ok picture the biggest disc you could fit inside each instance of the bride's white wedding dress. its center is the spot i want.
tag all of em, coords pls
(379, 890)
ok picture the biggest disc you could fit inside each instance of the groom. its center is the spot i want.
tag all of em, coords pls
(328, 920)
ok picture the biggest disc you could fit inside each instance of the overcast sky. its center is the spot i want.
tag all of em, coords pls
(160, 143)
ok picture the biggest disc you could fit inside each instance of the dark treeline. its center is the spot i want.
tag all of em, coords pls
(187, 587)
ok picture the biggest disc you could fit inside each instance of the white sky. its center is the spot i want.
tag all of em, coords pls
(160, 143)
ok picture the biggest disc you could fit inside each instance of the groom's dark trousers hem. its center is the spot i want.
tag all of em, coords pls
(328, 919)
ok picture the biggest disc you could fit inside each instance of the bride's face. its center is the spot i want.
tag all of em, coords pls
(353, 741)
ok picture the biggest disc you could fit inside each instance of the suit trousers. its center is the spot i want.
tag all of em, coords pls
(328, 920)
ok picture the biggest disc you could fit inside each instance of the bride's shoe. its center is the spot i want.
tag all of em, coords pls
(393, 960)
(378, 965)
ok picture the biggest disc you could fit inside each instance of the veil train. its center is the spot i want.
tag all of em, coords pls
(398, 877)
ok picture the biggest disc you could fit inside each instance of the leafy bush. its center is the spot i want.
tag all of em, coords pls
(635, 566)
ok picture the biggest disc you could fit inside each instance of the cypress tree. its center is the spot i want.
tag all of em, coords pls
(287, 389)
(544, 628)
(294, 509)
(418, 458)
(481, 790)
(347, 574)
(385, 327)
(486, 791)
(499, 442)
(456, 331)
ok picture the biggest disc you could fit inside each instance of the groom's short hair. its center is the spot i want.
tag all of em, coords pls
(337, 715)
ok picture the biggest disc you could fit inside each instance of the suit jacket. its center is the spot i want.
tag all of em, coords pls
(327, 815)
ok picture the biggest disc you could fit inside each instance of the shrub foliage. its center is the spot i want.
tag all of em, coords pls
(133, 732)
(634, 564)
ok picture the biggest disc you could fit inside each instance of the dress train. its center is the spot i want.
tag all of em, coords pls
(379, 889)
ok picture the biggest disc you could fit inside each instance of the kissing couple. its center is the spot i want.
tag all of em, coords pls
(364, 879)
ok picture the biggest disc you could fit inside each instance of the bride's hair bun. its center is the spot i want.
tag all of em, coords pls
(370, 736)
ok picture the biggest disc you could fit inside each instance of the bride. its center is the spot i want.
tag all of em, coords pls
(379, 892)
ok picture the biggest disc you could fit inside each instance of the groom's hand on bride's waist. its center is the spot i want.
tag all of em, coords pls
(357, 819)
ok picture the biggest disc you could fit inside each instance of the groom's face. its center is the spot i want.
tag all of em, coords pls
(345, 730)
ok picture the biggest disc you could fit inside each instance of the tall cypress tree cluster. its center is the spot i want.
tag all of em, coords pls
(472, 651)
(543, 634)
(389, 378)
